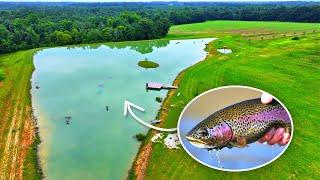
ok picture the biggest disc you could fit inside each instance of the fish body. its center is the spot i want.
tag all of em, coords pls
(239, 124)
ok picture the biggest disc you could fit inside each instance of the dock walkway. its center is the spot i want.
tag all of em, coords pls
(159, 86)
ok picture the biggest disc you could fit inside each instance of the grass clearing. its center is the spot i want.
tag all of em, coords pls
(287, 68)
(251, 29)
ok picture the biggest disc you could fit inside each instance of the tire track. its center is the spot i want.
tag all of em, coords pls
(8, 146)
(17, 138)
(12, 148)
(15, 171)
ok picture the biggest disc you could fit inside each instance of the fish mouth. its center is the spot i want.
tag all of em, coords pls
(198, 143)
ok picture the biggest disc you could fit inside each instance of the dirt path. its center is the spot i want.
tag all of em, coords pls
(12, 131)
(17, 128)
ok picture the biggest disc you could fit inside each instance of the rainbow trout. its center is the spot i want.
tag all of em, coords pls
(239, 124)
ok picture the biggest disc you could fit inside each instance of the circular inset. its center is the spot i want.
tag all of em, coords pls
(235, 128)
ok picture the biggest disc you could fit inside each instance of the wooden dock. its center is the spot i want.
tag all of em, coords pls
(159, 86)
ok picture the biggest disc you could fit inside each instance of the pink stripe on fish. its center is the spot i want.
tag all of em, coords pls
(271, 115)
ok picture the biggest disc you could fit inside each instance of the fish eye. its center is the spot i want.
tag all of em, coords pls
(203, 132)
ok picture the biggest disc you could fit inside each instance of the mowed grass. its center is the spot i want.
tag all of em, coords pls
(289, 69)
(246, 28)
(18, 155)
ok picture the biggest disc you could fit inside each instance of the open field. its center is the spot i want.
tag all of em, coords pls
(289, 69)
(17, 133)
(244, 28)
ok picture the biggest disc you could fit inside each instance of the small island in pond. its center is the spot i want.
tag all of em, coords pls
(148, 64)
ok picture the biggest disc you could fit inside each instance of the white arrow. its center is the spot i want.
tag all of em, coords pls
(127, 108)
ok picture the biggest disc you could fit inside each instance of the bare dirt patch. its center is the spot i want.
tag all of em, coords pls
(142, 161)
(28, 134)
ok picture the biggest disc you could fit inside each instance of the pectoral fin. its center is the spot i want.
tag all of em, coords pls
(240, 142)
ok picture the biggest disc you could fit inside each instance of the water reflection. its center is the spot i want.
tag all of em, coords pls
(144, 47)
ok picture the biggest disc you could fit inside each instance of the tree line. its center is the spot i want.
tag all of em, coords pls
(31, 25)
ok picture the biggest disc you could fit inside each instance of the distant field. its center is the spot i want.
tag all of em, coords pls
(210, 28)
(289, 69)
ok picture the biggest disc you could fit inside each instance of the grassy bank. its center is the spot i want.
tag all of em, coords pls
(18, 153)
(287, 68)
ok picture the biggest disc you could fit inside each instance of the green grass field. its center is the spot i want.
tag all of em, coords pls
(246, 28)
(289, 69)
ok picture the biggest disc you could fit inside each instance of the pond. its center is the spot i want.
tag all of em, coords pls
(78, 95)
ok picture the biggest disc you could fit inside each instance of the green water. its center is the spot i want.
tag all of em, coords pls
(80, 82)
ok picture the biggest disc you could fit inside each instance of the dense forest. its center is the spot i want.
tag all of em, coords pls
(30, 25)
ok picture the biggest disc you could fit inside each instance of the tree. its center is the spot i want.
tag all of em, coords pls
(61, 38)
(107, 34)
(94, 35)
(145, 28)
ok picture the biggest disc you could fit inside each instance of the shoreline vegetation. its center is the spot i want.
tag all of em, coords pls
(19, 159)
(33, 153)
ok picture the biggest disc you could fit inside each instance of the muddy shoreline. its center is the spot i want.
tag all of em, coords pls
(36, 140)
(35, 144)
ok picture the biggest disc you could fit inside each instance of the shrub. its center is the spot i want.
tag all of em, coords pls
(295, 38)
(140, 137)
(159, 99)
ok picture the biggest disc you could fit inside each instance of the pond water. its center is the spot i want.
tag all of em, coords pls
(80, 82)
